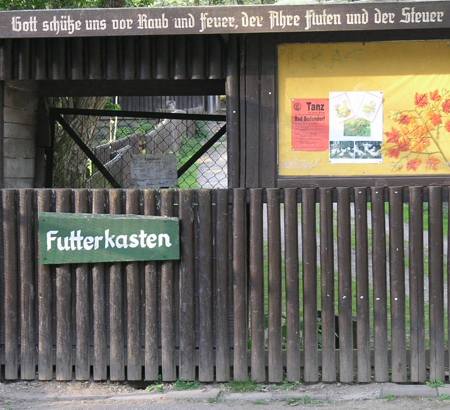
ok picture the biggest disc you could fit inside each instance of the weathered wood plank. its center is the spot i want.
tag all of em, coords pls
(134, 362)
(240, 365)
(362, 287)
(416, 285)
(63, 303)
(327, 286)
(45, 338)
(167, 303)
(292, 285)
(397, 275)
(187, 266)
(151, 360)
(436, 283)
(222, 285)
(11, 272)
(345, 286)
(274, 243)
(99, 300)
(311, 370)
(206, 363)
(379, 284)
(116, 310)
(256, 277)
(82, 303)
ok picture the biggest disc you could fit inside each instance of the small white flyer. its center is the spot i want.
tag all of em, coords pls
(356, 126)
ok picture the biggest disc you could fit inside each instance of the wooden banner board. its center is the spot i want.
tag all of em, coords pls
(224, 19)
(89, 238)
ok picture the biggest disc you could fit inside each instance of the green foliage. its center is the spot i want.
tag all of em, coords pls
(155, 388)
(303, 401)
(390, 397)
(242, 387)
(444, 397)
(186, 385)
(435, 383)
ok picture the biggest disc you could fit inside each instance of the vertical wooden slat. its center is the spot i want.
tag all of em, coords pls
(436, 283)
(11, 273)
(116, 313)
(327, 286)
(379, 284)
(129, 67)
(145, 67)
(151, 359)
(397, 276)
(256, 277)
(40, 59)
(113, 58)
(45, 342)
(240, 366)
(167, 303)
(292, 284)
(63, 304)
(362, 287)
(274, 240)
(416, 285)
(27, 291)
(82, 303)
(76, 49)
(345, 286)
(206, 366)
(162, 58)
(180, 59)
(215, 57)
(198, 58)
(309, 285)
(134, 362)
(99, 300)
(187, 312)
(222, 274)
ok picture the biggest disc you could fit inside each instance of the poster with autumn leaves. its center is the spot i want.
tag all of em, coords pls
(417, 139)
(408, 80)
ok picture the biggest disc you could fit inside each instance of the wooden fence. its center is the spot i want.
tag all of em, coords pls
(297, 284)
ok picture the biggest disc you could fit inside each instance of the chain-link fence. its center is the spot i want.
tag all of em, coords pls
(102, 149)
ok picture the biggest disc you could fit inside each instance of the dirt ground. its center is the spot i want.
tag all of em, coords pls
(95, 396)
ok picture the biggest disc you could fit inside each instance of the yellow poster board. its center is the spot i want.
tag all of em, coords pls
(386, 106)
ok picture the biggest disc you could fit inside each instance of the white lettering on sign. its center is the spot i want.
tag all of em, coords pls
(76, 241)
(410, 15)
(219, 22)
(324, 18)
(278, 19)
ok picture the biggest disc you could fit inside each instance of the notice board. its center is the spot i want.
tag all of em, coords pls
(357, 109)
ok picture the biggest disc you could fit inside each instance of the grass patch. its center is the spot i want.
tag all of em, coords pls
(390, 397)
(444, 397)
(242, 387)
(186, 385)
(435, 383)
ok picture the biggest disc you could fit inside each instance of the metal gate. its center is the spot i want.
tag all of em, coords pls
(95, 148)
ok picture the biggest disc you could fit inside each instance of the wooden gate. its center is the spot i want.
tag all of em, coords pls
(299, 284)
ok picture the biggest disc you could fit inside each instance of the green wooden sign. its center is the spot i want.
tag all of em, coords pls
(88, 238)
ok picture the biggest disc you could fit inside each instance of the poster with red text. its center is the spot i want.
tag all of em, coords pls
(310, 117)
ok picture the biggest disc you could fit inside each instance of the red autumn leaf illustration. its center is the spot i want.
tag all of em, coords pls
(421, 100)
(417, 140)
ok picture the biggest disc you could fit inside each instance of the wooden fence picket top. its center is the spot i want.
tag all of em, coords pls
(151, 330)
(63, 303)
(240, 366)
(99, 301)
(167, 303)
(222, 270)
(362, 287)
(133, 302)
(379, 284)
(327, 286)
(310, 338)
(256, 278)
(45, 297)
(397, 284)
(82, 303)
(275, 312)
(416, 285)
(292, 285)
(436, 283)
